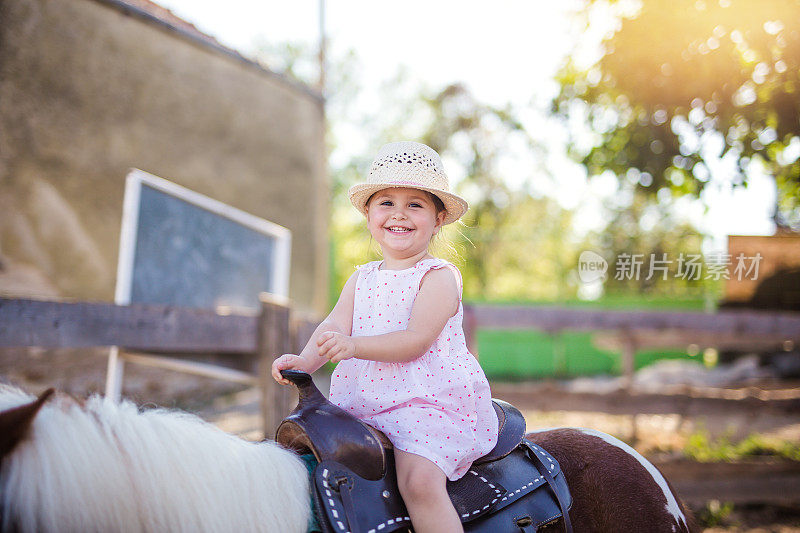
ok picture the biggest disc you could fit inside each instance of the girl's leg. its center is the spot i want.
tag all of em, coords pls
(423, 487)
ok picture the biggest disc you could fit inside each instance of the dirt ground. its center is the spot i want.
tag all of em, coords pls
(83, 373)
(756, 519)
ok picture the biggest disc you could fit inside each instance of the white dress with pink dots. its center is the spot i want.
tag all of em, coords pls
(438, 405)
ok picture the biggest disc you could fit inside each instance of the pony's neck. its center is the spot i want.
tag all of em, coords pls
(107, 466)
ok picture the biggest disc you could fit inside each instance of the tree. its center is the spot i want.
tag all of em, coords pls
(669, 249)
(683, 84)
(511, 245)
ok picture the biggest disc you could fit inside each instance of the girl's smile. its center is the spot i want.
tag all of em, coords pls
(399, 229)
(402, 221)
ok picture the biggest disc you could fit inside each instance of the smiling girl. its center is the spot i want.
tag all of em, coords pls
(396, 334)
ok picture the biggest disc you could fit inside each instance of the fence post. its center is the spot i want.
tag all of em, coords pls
(116, 367)
(274, 339)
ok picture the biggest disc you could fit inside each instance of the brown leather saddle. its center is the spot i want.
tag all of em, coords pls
(517, 486)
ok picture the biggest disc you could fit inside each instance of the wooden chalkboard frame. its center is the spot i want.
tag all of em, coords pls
(279, 280)
(130, 217)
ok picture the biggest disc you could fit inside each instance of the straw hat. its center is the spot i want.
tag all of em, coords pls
(408, 164)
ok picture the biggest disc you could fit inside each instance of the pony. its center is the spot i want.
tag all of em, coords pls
(97, 465)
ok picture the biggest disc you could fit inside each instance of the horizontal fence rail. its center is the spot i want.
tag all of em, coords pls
(183, 330)
(167, 330)
(136, 327)
(557, 319)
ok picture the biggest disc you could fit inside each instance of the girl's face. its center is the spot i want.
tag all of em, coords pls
(403, 221)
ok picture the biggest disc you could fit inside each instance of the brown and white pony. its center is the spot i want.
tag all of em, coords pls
(67, 466)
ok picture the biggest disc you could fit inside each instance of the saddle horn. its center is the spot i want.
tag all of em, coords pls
(305, 385)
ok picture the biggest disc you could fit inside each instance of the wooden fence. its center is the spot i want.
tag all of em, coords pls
(152, 329)
(627, 332)
(155, 329)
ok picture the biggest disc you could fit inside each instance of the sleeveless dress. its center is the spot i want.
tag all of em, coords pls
(437, 405)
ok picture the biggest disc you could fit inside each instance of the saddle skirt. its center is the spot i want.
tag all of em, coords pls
(355, 485)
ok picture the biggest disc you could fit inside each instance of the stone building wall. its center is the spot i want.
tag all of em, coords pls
(91, 88)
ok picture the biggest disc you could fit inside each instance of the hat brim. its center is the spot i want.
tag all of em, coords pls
(454, 205)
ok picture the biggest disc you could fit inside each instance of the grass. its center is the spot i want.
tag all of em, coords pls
(715, 513)
(518, 355)
(701, 447)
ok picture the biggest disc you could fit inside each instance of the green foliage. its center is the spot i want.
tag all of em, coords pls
(525, 255)
(684, 84)
(510, 244)
(651, 230)
(701, 447)
(715, 513)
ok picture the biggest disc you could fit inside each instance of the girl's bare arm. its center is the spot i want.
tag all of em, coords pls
(340, 320)
(436, 301)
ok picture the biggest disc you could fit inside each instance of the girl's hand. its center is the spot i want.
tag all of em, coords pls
(287, 361)
(336, 346)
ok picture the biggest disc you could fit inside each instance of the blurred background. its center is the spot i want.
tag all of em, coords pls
(617, 155)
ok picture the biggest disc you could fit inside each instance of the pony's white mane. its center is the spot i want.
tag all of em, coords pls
(105, 466)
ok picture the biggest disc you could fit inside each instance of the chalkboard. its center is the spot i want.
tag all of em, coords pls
(181, 248)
